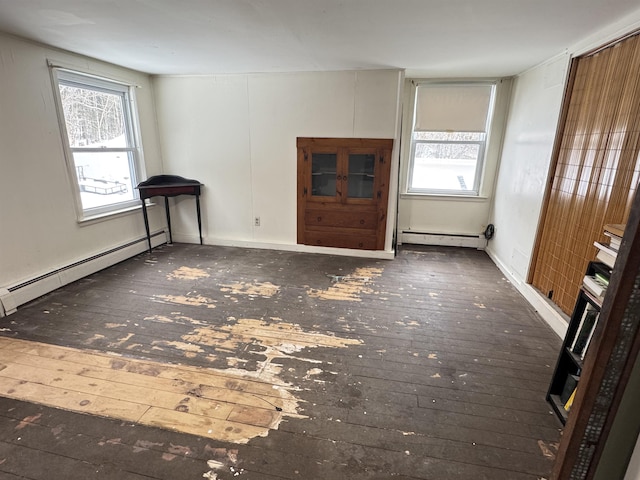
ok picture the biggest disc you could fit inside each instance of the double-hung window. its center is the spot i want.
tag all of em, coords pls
(100, 131)
(449, 137)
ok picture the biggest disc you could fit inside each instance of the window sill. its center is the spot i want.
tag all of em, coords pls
(443, 196)
(90, 220)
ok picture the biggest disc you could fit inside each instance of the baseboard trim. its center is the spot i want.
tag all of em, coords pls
(553, 317)
(345, 252)
(12, 296)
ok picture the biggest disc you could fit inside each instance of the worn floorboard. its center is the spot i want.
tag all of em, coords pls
(228, 363)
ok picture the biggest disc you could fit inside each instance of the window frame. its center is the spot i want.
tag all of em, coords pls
(133, 149)
(482, 144)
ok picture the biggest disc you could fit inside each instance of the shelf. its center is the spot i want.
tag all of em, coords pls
(558, 406)
(595, 301)
(600, 267)
(581, 329)
(577, 360)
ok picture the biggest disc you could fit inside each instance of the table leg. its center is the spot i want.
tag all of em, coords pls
(199, 220)
(166, 209)
(146, 223)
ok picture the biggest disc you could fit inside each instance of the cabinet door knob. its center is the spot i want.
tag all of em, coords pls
(362, 221)
(319, 219)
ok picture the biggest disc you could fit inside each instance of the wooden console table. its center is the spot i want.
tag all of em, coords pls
(168, 186)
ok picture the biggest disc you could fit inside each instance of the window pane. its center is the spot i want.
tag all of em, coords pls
(444, 166)
(361, 169)
(323, 174)
(104, 178)
(93, 118)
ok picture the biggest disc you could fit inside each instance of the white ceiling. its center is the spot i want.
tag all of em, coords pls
(437, 38)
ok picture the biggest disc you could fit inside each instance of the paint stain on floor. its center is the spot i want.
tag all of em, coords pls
(256, 289)
(349, 287)
(190, 300)
(277, 338)
(114, 325)
(185, 347)
(28, 421)
(548, 450)
(187, 273)
(176, 319)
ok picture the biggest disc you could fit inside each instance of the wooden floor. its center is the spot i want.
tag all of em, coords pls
(209, 362)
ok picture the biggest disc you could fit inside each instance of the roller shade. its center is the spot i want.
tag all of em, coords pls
(456, 108)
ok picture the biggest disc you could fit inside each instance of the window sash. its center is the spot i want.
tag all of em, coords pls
(132, 150)
(125, 195)
(100, 150)
(449, 142)
(70, 79)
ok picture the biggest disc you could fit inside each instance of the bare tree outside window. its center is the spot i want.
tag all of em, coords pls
(91, 117)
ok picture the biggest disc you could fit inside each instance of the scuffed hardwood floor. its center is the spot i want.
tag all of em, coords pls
(212, 362)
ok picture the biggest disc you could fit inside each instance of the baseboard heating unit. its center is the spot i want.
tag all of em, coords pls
(445, 240)
(13, 296)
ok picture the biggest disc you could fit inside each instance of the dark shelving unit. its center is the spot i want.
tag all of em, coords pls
(569, 365)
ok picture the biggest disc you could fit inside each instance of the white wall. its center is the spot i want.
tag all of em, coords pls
(39, 230)
(526, 156)
(237, 135)
(450, 214)
(524, 166)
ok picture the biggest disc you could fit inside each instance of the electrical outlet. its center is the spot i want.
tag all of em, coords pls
(256, 221)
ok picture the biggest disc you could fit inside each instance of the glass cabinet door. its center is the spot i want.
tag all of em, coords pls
(323, 174)
(361, 175)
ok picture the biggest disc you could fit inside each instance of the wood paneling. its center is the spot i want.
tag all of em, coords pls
(596, 168)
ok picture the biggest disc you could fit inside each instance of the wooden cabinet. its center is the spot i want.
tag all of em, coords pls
(580, 333)
(343, 191)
